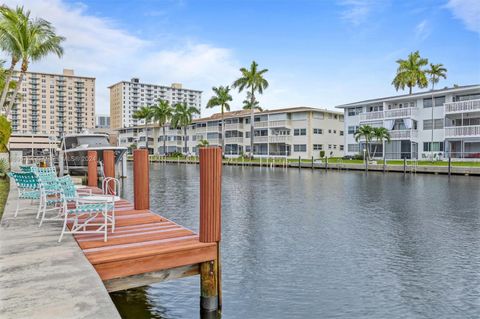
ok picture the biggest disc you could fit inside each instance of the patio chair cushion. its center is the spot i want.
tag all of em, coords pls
(29, 194)
(90, 208)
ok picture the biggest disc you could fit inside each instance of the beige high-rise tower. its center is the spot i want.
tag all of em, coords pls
(54, 104)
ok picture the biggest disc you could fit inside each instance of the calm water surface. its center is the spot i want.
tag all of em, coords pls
(315, 244)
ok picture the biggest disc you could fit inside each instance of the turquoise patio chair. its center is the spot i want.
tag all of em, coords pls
(28, 187)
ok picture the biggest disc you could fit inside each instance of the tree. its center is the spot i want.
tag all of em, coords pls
(3, 81)
(182, 117)
(221, 98)
(410, 72)
(253, 80)
(380, 134)
(26, 40)
(248, 104)
(5, 132)
(162, 113)
(435, 72)
(366, 132)
(144, 113)
(203, 143)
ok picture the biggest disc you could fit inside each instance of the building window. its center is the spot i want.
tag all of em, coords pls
(437, 147)
(341, 133)
(352, 129)
(299, 147)
(317, 147)
(300, 131)
(341, 147)
(317, 131)
(438, 124)
(439, 101)
(353, 148)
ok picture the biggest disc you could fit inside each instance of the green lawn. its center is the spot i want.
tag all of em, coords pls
(4, 188)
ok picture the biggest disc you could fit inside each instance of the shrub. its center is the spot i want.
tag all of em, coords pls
(3, 167)
(322, 154)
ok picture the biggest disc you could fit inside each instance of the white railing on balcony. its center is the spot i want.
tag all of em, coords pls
(463, 131)
(281, 123)
(260, 139)
(234, 126)
(462, 106)
(213, 141)
(233, 140)
(214, 128)
(403, 134)
(371, 116)
(399, 113)
(200, 129)
(280, 139)
(261, 124)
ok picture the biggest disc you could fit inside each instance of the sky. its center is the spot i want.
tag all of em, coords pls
(318, 53)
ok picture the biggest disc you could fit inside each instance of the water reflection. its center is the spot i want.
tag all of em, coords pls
(315, 244)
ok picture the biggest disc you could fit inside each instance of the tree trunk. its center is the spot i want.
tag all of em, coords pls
(410, 90)
(19, 84)
(7, 83)
(433, 122)
(185, 139)
(252, 118)
(223, 134)
(164, 142)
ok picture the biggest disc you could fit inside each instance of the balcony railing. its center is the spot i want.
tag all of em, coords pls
(281, 123)
(260, 124)
(280, 139)
(371, 116)
(260, 139)
(403, 134)
(233, 140)
(462, 106)
(234, 126)
(462, 131)
(399, 113)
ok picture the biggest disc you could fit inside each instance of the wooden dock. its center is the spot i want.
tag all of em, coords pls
(145, 248)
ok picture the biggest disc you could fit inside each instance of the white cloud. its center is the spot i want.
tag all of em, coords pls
(422, 30)
(468, 11)
(356, 11)
(97, 47)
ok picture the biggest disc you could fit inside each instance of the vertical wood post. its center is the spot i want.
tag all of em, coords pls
(92, 169)
(299, 162)
(404, 165)
(141, 188)
(312, 162)
(210, 225)
(449, 165)
(109, 166)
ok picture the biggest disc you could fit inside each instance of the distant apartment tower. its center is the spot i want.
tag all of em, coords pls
(54, 104)
(102, 121)
(451, 119)
(127, 97)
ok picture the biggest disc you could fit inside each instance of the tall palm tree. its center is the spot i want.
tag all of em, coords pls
(435, 72)
(182, 117)
(4, 74)
(248, 104)
(144, 113)
(35, 38)
(253, 80)
(221, 98)
(162, 113)
(410, 72)
(380, 134)
(366, 132)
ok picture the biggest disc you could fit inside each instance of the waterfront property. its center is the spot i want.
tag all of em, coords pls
(288, 132)
(126, 97)
(455, 127)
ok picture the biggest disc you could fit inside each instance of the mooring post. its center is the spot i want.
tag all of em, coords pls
(384, 162)
(299, 162)
(92, 169)
(326, 163)
(210, 226)
(449, 165)
(141, 188)
(404, 165)
(109, 167)
(312, 162)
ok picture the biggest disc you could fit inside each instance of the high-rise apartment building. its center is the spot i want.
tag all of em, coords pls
(128, 96)
(54, 104)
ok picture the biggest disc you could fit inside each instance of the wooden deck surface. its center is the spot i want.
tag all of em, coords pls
(143, 242)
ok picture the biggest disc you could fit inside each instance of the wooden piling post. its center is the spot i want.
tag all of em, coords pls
(299, 162)
(404, 165)
(312, 162)
(141, 188)
(210, 225)
(109, 167)
(92, 169)
(449, 165)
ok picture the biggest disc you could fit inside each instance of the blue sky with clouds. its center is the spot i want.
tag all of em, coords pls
(319, 53)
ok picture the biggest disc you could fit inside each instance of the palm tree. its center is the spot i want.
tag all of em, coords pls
(221, 98)
(410, 72)
(34, 39)
(4, 74)
(435, 72)
(144, 113)
(253, 81)
(182, 117)
(366, 132)
(247, 104)
(162, 113)
(380, 134)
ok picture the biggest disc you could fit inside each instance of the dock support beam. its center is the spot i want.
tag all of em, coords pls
(210, 226)
(92, 169)
(109, 167)
(141, 190)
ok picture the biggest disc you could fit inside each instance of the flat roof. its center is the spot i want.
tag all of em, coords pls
(143, 83)
(58, 74)
(418, 94)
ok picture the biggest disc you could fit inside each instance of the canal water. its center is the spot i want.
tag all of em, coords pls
(316, 244)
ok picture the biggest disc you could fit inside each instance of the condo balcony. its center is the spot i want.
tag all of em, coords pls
(462, 131)
(234, 127)
(234, 140)
(260, 139)
(261, 124)
(279, 123)
(280, 139)
(462, 106)
(371, 116)
(403, 134)
(389, 114)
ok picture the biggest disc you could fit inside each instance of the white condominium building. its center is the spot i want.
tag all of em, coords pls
(455, 125)
(289, 132)
(54, 104)
(128, 96)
